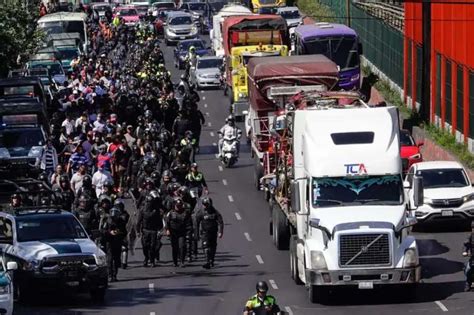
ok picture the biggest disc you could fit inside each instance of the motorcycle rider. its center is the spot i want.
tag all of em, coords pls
(149, 225)
(178, 226)
(190, 59)
(261, 303)
(229, 130)
(208, 226)
(467, 252)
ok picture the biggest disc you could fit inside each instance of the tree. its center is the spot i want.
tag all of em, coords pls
(19, 36)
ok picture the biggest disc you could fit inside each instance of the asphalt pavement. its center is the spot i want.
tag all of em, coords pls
(246, 255)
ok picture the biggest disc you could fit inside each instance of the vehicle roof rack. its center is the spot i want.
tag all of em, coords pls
(37, 210)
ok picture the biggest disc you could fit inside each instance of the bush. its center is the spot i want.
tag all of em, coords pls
(317, 11)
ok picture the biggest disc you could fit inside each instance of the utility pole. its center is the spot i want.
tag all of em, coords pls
(425, 104)
(348, 11)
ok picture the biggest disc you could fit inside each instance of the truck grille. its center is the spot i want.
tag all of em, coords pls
(447, 203)
(68, 263)
(364, 250)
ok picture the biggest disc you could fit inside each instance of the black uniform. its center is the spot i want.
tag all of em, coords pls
(179, 224)
(149, 224)
(87, 216)
(208, 225)
(468, 269)
(113, 235)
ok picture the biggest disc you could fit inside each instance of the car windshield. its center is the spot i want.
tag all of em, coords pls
(128, 12)
(102, 8)
(54, 68)
(342, 50)
(442, 178)
(70, 53)
(209, 63)
(39, 228)
(406, 139)
(197, 6)
(350, 191)
(181, 20)
(290, 14)
(197, 44)
(22, 137)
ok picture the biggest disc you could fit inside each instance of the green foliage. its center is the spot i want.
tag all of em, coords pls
(18, 33)
(316, 10)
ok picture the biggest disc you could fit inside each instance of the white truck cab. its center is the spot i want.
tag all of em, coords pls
(348, 213)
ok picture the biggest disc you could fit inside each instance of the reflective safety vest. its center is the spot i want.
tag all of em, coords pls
(194, 177)
(254, 303)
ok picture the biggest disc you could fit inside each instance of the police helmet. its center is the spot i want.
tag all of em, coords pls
(87, 181)
(109, 183)
(262, 286)
(105, 199)
(230, 118)
(83, 198)
(115, 212)
(118, 203)
(155, 175)
(206, 201)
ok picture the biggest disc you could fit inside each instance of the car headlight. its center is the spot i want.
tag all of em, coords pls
(200, 75)
(4, 289)
(101, 260)
(427, 201)
(170, 30)
(410, 259)
(317, 260)
(4, 153)
(194, 29)
(355, 77)
(468, 198)
(35, 152)
(415, 156)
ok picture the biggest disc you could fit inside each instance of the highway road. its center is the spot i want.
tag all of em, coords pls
(247, 255)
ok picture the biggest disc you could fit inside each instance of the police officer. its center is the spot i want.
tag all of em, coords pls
(124, 218)
(85, 213)
(16, 201)
(195, 181)
(209, 225)
(86, 190)
(102, 212)
(149, 224)
(65, 193)
(261, 303)
(178, 227)
(467, 252)
(113, 235)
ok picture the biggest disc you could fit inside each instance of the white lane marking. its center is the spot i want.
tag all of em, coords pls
(259, 259)
(207, 114)
(441, 306)
(205, 105)
(237, 216)
(288, 310)
(231, 199)
(273, 284)
(211, 133)
(219, 167)
(152, 313)
(203, 98)
(209, 124)
(224, 181)
(214, 144)
(151, 287)
(247, 236)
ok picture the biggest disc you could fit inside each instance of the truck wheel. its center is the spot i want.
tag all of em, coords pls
(294, 261)
(98, 295)
(317, 294)
(281, 230)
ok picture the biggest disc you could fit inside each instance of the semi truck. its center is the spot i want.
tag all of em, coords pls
(247, 37)
(337, 201)
(271, 82)
(215, 33)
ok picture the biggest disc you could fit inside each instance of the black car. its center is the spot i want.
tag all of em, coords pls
(53, 252)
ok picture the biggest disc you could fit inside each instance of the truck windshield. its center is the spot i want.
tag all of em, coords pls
(38, 228)
(442, 178)
(350, 191)
(342, 50)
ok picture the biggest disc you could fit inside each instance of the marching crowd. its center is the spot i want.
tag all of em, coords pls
(120, 132)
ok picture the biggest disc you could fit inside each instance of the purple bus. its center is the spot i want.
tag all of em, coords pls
(338, 42)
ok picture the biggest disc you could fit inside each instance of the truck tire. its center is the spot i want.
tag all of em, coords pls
(294, 261)
(318, 294)
(98, 295)
(281, 230)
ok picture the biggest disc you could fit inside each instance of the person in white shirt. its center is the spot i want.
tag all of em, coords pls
(100, 177)
(229, 130)
(68, 124)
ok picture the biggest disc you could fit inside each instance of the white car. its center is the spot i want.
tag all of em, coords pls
(447, 191)
(291, 15)
(6, 286)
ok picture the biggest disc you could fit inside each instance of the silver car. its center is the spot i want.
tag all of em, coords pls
(207, 72)
(179, 26)
(291, 15)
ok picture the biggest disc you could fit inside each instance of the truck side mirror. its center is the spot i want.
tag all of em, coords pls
(12, 265)
(295, 196)
(418, 191)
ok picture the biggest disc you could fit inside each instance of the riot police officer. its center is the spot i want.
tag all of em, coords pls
(86, 190)
(85, 213)
(66, 194)
(468, 252)
(113, 235)
(178, 227)
(124, 218)
(209, 225)
(149, 224)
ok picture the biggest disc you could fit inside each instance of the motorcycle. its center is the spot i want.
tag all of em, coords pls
(229, 151)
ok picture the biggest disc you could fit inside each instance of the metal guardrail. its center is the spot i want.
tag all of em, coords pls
(391, 12)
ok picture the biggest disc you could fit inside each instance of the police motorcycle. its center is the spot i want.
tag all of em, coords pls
(229, 151)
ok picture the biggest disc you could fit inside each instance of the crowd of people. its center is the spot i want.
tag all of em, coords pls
(120, 132)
